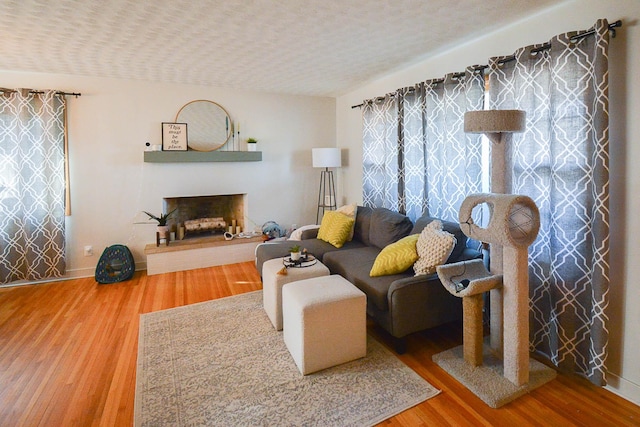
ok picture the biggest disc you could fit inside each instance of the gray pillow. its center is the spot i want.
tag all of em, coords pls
(388, 227)
(363, 223)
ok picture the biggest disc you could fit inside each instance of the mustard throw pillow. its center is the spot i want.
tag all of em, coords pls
(434, 247)
(335, 228)
(396, 257)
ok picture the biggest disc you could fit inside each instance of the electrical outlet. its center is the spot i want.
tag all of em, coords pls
(88, 251)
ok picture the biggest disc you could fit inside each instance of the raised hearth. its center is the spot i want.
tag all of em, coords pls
(199, 252)
(205, 245)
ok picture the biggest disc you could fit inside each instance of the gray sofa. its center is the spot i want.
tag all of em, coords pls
(401, 303)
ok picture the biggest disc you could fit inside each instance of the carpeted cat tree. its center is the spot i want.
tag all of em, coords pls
(514, 225)
(496, 377)
(501, 371)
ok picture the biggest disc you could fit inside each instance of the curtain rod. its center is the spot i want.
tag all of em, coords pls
(435, 81)
(545, 46)
(37, 92)
(574, 39)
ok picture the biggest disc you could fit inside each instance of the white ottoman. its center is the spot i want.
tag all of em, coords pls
(272, 284)
(324, 322)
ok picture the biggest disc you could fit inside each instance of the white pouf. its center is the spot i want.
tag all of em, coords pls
(324, 322)
(272, 284)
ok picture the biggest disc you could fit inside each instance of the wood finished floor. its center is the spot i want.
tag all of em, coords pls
(68, 358)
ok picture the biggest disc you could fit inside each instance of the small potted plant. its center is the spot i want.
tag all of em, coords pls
(163, 228)
(295, 253)
(251, 144)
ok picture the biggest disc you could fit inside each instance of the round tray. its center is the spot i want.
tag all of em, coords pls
(307, 261)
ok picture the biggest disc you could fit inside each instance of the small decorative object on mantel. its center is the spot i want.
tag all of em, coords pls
(174, 136)
(210, 126)
(152, 147)
(251, 144)
(162, 232)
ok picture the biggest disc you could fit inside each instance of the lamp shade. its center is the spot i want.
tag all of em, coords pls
(494, 121)
(326, 157)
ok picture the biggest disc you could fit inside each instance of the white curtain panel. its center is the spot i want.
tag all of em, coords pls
(32, 186)
(561, 161)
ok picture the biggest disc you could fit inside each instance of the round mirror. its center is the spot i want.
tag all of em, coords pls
(208, 125)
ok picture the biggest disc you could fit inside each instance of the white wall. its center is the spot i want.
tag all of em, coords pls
(624, 54)
(111, 185)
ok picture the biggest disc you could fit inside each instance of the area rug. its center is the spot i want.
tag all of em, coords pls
(221, 363)
(488, 381)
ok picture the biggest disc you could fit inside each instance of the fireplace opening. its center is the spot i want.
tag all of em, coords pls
(199, 216)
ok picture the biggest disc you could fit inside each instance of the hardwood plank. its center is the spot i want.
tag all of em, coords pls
(68, 355)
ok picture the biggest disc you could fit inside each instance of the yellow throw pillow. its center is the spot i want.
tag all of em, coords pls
(396, 257)
(335, 228)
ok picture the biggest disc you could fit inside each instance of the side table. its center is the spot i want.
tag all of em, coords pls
(272, 284)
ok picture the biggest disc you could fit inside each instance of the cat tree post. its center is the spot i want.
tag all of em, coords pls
(497, 125)
(516, 313)
(479, 281)
(472, 334)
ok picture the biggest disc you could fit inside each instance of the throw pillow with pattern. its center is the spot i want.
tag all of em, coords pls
(434, 247)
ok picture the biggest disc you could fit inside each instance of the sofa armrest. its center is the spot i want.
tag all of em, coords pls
(423, 279)
(310, 234)
(420, 302)
(469, 254)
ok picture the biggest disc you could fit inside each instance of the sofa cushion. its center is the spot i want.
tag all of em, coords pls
(433, 248)
(363, 222)
(448, 226)
(388, 227)
(350, 263)
(335, 228)
(396, 257)
(355, 264)
(377, 288)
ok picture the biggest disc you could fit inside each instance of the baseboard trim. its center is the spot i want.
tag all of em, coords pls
(623, 388)
(77, 273)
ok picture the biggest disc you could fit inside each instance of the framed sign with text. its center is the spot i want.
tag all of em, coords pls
(174, 136)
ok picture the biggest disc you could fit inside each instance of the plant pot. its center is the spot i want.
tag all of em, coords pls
(251, 146)
(295, 256)
(163, 231)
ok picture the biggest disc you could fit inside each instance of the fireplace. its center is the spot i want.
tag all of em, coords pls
(198, 216)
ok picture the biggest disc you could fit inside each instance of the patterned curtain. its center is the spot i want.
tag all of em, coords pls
(453, 159)
(417, 158)
(380, 153)
(561, 161)
(32, 186)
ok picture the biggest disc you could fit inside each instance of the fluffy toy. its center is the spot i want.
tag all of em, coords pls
(273, 230)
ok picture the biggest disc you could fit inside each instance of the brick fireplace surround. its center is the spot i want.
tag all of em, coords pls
(203, 249)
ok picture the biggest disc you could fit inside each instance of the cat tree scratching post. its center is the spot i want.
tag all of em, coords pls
(514, 225)
(497, 125)
(480, 281)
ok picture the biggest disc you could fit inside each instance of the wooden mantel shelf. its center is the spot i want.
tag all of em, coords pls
(201, 156)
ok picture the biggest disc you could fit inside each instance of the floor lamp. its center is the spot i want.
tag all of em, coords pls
(326, 158)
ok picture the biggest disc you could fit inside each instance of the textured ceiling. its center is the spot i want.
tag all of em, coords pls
(307, 47)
